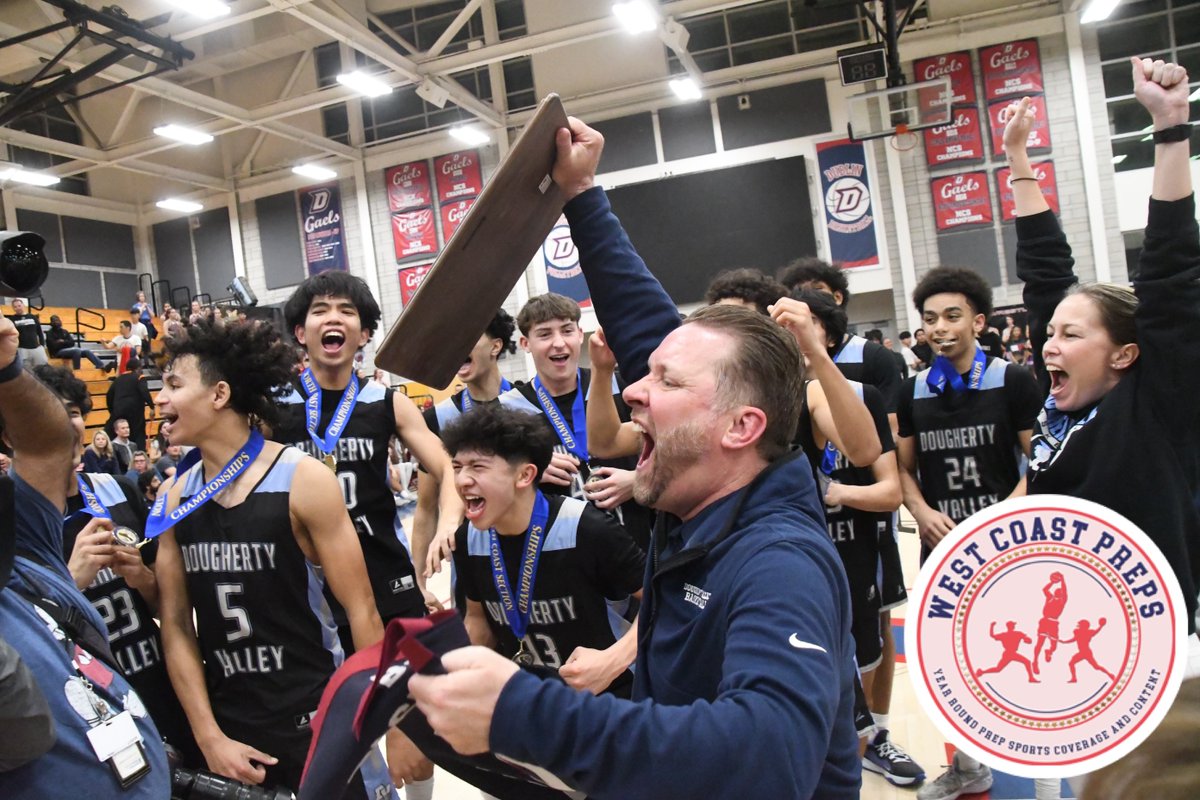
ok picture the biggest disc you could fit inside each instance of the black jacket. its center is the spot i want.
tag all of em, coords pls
(129, 393)
(57, 339)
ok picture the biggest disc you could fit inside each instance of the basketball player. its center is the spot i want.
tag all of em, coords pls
(1055, 593)
(347, 422)
(251, 531)
(483, 384)
(118, 579)
(576, 557)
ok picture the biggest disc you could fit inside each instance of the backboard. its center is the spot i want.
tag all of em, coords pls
(899, 109)
(483, 259)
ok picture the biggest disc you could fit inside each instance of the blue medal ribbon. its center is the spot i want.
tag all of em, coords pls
(574, 440)
(92, 507)
(160, 521)
(943, 373)
(517, 612)
(312, 412)
(829, 457)
(468, 402)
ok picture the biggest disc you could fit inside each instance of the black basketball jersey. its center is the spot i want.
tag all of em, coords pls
(266, 634)
(524, 398)
(968, 451)
(362, 470)
(870, 363)
(449, 410)
(132, 632)
(587, 560)
(855, 532)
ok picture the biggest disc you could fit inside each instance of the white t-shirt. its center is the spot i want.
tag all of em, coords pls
(121, 341)
(910, 358)
(139, 330)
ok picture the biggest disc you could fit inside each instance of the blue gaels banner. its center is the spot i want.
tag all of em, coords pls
(324, 237)
(563, 273)
(846, 189)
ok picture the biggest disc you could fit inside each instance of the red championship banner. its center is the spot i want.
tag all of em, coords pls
(452, 216)
(458, 176)
(1011, 70)
(960, 140)
(1039, 135)
(413, 233)
(410, 279)
(962, 200)
(408, 186)
(957, 67)
(1044, 171)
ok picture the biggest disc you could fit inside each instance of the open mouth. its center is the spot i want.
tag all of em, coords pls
(647, 445)
(168, 422)
(332, 341)
(943, 345)
(473, 506)
(1059, 381)
(466, 366)
(560, 360)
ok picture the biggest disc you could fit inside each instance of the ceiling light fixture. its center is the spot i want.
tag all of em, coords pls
(685, 88)
(204, 9)
(470, 134)
(1098, 10)
(28, 176)
(183, 134)
(176, 204)
(637, 16)
(364, 83)
(314, 171)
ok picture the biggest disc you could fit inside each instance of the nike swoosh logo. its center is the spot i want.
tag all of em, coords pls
(795, 642)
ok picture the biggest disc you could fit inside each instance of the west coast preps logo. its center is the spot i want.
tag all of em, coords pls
(1051, 636)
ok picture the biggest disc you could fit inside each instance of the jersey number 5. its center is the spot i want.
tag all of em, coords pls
(234, 613)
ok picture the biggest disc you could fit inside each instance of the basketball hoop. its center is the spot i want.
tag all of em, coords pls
(903, 139)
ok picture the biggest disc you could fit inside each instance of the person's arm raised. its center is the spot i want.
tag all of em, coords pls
(36, 424)
(608, 437)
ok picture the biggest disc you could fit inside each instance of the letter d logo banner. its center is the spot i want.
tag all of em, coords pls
(1049, 637)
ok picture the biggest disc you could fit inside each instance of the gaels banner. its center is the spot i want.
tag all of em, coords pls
(453, 215)
(458, 176)
(563, 273)
(959, 140)
(1043, 171)
(849, 217)
(408, 186)
(413, 233)
(961, 200)
(321, 220)
(957, 67)
(410, 279)
(1039, 134)
(1011, 71)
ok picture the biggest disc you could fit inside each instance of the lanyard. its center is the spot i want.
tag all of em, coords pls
(312, 411)
(468, 402)
(574, 440)
(517, 613)
(943, 372)
(159, 520)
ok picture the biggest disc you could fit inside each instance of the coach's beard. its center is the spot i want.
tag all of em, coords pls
(674, 452)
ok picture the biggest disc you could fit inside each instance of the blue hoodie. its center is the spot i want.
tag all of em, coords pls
(744, 677)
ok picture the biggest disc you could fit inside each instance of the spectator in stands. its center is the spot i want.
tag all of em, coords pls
(139, 329)
(99, 456)
(168, 460)
(197, 313)
(61, 344)
(172, 324)
(914, 362)
(139, 467)
(122, 445)
(145, 314)
(901, 362)
(148, 483)
(127, 344)
(154, 449)
(31, 342)
(922, 349)
(128, 397)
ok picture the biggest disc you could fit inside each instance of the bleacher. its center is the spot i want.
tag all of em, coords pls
(96, 326)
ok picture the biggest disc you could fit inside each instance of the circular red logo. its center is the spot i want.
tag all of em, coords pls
(1051, 636)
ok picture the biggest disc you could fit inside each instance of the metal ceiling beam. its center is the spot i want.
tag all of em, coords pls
(453, 28)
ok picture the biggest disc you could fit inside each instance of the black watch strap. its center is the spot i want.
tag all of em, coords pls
(1175, 133)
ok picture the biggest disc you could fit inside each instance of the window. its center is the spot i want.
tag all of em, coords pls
(403, 112)
(770, 30)
(1166, 29)
(55, 123)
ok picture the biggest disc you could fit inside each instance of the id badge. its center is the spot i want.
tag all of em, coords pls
(118, 742)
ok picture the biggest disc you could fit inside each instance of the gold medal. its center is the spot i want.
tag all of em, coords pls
(330, 461)
(127, 537)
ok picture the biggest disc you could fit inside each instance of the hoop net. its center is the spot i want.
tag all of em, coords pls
(903, 139)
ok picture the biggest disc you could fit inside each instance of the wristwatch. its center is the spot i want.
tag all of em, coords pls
(1175, 133)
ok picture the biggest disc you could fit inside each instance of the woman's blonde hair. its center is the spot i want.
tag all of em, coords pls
(1116, 304)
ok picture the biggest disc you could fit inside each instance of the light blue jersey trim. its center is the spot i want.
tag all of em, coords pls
(993, 378)
(107, 490)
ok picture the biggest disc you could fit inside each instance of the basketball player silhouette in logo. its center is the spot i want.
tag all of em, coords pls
(1047, 634)
(1084, 634)
(1010, 639)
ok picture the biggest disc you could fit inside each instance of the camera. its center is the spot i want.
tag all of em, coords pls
(23, 265)
(188, 784)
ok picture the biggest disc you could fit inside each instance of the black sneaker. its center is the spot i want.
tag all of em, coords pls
(885, 758)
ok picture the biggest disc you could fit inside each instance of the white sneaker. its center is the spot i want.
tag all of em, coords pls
(956, 781)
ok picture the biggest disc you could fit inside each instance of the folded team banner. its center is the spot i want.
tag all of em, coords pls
(849, 218)
(1050, 636)
(961, 200)
(324, 235)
